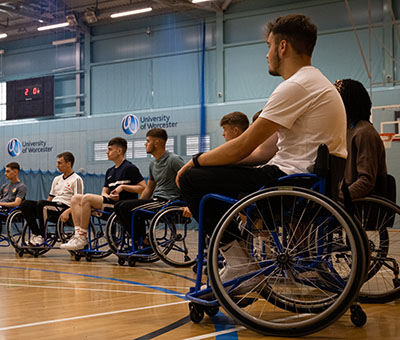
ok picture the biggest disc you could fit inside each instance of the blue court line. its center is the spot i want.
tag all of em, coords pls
(218, 326)
(171, 273)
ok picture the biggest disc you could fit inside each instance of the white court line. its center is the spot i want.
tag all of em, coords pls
(90, 289)
(92, 282)
(90, 316)
(211, 335)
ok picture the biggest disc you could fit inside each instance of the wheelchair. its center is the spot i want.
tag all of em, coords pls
(19, 232)
(173, 237)
(97, 247)
(308, 260)
(121, 241)
(7, 238)
(380, 218)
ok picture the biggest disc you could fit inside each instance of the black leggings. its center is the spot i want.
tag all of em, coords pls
(231, 181)
(32, 210)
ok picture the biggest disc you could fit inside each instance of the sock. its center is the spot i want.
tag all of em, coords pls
(80, 231)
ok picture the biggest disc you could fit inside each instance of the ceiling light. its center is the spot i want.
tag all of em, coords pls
(136, 11)
(3, 35)
(65, 41)
(90, 16)
(50, 27)
(196, 1)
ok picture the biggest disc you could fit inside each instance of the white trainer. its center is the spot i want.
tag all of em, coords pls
(75, 243)
(38, 240)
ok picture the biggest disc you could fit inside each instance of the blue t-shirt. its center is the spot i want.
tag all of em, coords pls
(127, 174)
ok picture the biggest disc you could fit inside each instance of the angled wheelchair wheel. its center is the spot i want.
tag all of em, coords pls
(99, 246)
(173, 238)
(380, 218)
(50, 239)
(115, 234)
(15, 224)
(65, 231)
(297, 263)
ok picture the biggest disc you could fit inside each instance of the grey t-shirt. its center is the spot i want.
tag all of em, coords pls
(163, 172)
(10, 191)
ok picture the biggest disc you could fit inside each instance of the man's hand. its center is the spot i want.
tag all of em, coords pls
(182, 170)
(186, 212)
(65, 215)
(114, 195)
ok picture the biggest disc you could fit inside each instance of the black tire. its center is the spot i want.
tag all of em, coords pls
(15, 224)
(98, 245)
(296, 286)
(121, 261)
(115, 233)
(196, 312)
(358, 316)
(380, 218)
(173, 238)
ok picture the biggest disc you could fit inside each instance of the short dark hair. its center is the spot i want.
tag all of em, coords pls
(13, 165)
(256, 115)
(296, 29)
(158, 133)
(119, 141)
(355, 98)
(68, 157)
(236, 118)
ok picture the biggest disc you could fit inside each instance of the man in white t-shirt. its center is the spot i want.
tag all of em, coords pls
(63, 188)
(305, 111)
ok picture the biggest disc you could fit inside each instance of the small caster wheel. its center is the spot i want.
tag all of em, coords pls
(212, 311)
(131, 262)
(77, 257)
(20, 253)
(358, 316)
(121, 261)
(194, 268)
(36, 254)
(396, 283)
(196, 312)
(89, 258)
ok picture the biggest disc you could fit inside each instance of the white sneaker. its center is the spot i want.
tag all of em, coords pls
(75, 243)
(38, 240)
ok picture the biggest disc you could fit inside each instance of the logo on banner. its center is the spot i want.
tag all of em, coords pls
(130, 124)
(14, 147)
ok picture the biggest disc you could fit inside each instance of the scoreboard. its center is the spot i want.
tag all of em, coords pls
(30, 98)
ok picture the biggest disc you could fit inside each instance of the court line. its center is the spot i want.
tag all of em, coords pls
(86, 282)
(215, 334)
(165, 329)
(87, 289)
(90, 316)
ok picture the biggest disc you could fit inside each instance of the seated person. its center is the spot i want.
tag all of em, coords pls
(62, 189)
(305, 110)
(161, 186)
(123, 181)
(11, 193)
(233, 124)
(366, 162)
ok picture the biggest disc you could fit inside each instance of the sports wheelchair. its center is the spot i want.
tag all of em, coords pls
(308, 258)
(122, 243)
(380, 218)
(97, 247)
(14, 234)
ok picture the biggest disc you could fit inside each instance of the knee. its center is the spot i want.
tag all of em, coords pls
(76, 200)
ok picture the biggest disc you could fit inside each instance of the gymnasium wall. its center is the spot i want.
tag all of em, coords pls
(152, 68)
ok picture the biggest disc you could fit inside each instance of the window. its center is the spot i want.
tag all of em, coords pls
(170, 146)
(139, 150)
(3, 101)
(100, 151)
(193, 144)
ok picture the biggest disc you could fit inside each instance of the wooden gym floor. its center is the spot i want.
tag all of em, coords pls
(56, 297)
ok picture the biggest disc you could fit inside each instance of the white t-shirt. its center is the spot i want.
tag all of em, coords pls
(310, 112)
(62, 189)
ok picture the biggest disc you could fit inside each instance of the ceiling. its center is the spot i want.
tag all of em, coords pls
(21, 18)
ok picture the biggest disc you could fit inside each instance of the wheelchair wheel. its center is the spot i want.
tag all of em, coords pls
(50, 239)
(282, 281)
(115, 234)
(15, 223)
(65, 231)
(171, 237)
(380, 219)
(99, 245)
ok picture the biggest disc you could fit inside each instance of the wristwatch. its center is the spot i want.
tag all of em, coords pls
(195, 159)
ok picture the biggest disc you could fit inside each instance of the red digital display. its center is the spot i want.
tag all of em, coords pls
(32, 91)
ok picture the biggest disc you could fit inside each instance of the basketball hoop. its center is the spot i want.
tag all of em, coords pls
(387, 139)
